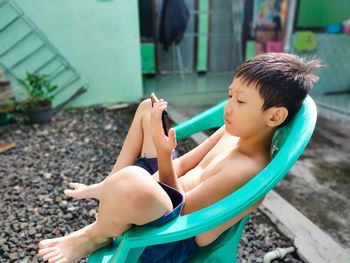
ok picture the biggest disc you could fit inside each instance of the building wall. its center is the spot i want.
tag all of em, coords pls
(100, 39)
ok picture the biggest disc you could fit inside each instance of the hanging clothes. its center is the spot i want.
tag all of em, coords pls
(146, 20)
(173, 22)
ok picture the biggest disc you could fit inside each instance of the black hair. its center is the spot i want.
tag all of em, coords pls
(283, 80)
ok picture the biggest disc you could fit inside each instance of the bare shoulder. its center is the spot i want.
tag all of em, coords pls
(244, 166)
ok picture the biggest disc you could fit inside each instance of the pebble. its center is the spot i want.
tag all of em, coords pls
(5, 248)
(13, 256)
(23, 225)
(47, 175)
(31, 232)
(79, 146)
(92, 212)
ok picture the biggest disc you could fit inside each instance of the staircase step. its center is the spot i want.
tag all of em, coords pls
(24, 48)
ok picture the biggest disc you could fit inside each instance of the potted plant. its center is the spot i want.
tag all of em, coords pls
(40, 94)
(7, 102)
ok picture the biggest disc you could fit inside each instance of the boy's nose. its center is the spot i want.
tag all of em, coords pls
(227, 109)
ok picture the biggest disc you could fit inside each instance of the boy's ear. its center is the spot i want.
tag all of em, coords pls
(277, 116)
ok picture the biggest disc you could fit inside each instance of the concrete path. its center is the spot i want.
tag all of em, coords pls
(313, 245)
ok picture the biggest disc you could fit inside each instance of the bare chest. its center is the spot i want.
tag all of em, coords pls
(210, 165)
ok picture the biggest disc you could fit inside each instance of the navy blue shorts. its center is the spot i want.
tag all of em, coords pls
(174, 252)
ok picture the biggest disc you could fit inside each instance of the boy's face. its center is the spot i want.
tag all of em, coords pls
(243, 112)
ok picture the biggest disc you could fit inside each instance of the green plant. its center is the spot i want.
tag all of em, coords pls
(2, 75)
(40, 91)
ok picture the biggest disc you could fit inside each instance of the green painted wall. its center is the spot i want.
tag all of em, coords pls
(202, 44)
(100, 39)
(316, 13)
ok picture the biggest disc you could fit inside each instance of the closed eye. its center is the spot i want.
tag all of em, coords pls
(239, 101)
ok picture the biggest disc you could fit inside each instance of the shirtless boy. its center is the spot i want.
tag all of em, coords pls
(266, 93)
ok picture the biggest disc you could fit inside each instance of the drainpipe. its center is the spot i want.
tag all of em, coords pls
(277, 253)
(292, 9)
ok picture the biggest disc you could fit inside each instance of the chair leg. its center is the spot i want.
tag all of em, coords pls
(125, 254)
(134, 254)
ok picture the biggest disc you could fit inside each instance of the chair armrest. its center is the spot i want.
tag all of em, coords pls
(211, 118)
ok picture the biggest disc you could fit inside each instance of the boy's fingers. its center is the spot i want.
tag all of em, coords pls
(160, 103)
(172, 135)
(158, 112)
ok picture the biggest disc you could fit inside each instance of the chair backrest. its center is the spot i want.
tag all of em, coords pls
(289, 143)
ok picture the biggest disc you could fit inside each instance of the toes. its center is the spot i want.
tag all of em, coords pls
(47, 243)
(68, 192)
(50, 256)
(45, 251)
(56, 259)
(73, 185)
(63, 260)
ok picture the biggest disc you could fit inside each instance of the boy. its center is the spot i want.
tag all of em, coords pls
(266, 93)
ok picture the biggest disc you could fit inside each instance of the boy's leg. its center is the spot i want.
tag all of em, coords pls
(139, 200)
(138, 142)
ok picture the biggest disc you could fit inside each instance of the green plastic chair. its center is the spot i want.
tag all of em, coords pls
(288, 144)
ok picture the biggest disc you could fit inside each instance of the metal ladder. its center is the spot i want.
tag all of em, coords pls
(52, 63)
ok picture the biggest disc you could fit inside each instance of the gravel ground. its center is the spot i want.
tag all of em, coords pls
(81, 146)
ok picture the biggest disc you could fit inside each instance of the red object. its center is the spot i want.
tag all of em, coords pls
(274, 46)
(346, 29)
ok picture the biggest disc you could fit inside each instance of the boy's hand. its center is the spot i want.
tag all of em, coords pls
(164, 144)
(78, 191)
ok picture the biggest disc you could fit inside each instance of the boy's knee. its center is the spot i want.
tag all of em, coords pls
(145, 104)
(125, 179)
(144, 107)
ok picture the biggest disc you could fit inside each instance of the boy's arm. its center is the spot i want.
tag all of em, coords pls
(217, 187)
(221, 184)
(164, 146)
(208, 237)
(191, 159)
(166, 170)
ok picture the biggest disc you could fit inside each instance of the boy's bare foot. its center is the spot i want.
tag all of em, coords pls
(81, 191)
(71, 247)
(78, 190)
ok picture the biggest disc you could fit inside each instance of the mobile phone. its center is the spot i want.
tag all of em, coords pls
(165, 117)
